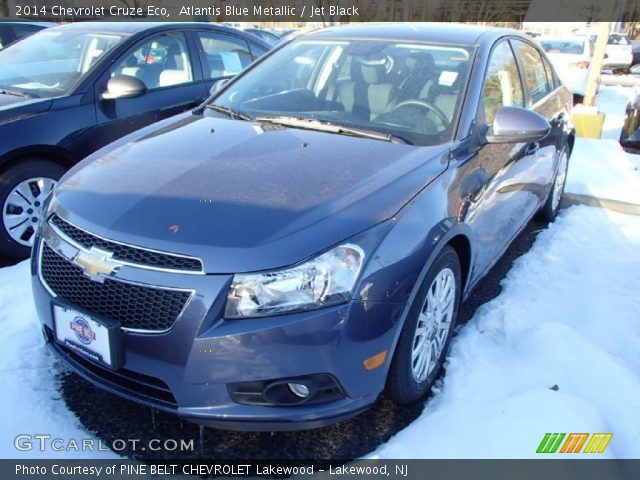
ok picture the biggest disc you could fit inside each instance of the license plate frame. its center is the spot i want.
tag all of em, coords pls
(94, 338)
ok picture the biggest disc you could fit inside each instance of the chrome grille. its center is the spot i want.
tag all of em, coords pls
(127, 253)
(134, 306)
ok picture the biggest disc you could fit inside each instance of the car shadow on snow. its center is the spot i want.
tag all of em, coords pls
(111, 418)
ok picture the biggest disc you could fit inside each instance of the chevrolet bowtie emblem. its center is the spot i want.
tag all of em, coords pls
(96, 263)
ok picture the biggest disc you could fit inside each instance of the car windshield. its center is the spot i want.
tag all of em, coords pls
(50, 62)
(382, 89)
(575, 47)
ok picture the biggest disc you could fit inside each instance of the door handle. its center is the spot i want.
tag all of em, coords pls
(532, 148)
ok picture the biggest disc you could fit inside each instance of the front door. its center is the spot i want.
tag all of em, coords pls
(165, 64)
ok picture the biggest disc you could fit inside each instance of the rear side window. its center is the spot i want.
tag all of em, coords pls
(502, 85)
(224, 55)
(534, 72)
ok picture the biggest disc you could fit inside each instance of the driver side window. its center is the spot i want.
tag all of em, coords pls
(161, 61)
(502, 85)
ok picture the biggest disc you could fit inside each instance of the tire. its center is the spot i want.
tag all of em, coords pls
(549, 210)
(35, 178)
(406, 382)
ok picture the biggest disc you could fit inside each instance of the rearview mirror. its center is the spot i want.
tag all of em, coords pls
(515, 125)
(124, 86)
(218, 84)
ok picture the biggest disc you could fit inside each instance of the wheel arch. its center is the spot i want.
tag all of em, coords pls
(37, 152)
(459, 237)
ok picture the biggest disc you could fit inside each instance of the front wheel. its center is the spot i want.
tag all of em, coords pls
(23, 189)
(549, 210)
(426, 334)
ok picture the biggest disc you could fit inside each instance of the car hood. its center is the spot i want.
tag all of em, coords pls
(13, 107)
(242, 196)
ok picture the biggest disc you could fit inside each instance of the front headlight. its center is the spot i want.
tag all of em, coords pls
(325, 280)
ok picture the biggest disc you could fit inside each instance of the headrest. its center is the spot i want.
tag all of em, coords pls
(375, 69)
(421, 61)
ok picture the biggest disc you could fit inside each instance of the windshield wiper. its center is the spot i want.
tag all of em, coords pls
(234, 114)
(4, 91)
(325, 126)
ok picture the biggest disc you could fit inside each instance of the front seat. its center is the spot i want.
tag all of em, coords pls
(369, 92)
(380, 90)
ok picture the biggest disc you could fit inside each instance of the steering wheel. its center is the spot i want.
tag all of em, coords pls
(432, 108)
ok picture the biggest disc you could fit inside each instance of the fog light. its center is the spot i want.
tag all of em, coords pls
(299, 389)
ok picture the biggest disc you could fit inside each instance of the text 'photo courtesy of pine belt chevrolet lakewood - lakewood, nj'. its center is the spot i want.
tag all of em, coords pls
(301, 241)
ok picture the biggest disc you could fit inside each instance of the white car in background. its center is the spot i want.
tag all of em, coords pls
(619, 53)
(571, 58)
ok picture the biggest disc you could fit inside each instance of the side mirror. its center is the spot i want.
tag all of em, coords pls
(218, 84)
(515, 125)
(124, 86)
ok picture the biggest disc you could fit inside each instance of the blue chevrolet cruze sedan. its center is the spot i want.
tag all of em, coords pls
(301, 243)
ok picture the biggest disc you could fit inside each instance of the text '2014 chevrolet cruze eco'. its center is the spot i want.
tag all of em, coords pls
(301, 243)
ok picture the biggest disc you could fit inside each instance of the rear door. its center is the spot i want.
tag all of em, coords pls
(170, 70)
(223, 55)
(545, 98)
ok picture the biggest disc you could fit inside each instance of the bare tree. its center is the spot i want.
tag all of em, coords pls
(4, 8)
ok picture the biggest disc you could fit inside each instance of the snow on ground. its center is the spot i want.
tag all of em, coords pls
(30, 400)
(568, 315)
(601, 168)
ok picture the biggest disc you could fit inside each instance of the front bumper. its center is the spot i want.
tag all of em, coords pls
(188, 368)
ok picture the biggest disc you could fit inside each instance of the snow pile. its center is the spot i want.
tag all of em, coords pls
(568, 315)
(30, 400)
(601, 168)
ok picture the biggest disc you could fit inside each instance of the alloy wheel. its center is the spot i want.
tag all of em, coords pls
(433, 325)
(558, 184)
(23, 209)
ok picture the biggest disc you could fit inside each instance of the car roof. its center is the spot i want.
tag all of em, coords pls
(449, 33)
(136, 27)
(27, 22)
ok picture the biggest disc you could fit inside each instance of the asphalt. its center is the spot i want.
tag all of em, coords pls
(110, 418)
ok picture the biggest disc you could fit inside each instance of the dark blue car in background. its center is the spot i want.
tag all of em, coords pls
(13, 31)
(69, 90)
(280, 257)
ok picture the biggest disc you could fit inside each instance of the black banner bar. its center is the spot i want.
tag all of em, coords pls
(574, 469)
(325, 11)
